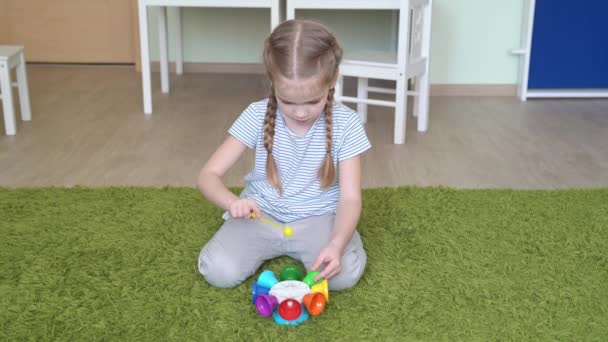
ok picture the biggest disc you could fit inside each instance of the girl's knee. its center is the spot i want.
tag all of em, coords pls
(219, 271)
(353, 266)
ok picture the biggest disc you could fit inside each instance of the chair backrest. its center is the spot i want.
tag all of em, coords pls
(292, 5)
(413, 38)
(10, 54)
(413, 30)
(419, 45)
(8, 51)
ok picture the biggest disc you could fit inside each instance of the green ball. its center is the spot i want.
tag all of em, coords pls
(290, 273)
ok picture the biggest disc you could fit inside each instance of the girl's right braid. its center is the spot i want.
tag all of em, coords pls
(269, 123)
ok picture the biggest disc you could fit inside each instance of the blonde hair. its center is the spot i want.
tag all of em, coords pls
(300, 49)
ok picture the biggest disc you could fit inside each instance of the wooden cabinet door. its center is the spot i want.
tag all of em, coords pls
(71, 31)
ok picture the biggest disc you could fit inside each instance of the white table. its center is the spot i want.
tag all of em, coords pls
(275, 18)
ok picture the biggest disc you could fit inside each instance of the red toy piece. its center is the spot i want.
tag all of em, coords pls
(290, 309)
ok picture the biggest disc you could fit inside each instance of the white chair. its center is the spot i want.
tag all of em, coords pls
(12, 57)
(410, 61)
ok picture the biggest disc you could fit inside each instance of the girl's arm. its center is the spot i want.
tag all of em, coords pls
(210, 182)
(347, 217)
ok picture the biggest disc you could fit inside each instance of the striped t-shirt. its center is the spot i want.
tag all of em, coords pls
(298, 159)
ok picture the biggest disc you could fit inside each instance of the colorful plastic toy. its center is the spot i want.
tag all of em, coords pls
(322, 288)
(257, 290)
(314, 303)
(310, 278)
(265, 305)
(290, 289)
(292, 300)
(290, 273)
(281, 321)
(290, 309)
(267, 279)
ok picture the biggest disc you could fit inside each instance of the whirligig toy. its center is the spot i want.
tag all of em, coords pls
(292, 298)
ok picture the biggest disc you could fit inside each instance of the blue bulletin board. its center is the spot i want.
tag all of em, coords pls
(569, 45)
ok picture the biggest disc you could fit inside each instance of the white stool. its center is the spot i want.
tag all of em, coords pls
(411, 59)
(11, 57)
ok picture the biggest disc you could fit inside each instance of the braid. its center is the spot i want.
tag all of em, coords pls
(327, 173)
(269, 122)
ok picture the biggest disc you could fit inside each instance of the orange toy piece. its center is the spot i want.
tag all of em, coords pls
(314, 303)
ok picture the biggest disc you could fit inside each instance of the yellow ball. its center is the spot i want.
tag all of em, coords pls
(288, 231)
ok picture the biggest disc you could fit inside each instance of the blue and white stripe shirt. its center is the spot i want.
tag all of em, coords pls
(298, 159)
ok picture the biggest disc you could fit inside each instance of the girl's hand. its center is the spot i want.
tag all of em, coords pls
(331, 256)
(243, 208)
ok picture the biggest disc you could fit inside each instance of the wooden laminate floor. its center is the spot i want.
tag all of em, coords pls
(88, 128)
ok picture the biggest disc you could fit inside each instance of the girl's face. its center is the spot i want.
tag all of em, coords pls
(301, 101)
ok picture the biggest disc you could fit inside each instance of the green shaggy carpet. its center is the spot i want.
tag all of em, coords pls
(87, 264)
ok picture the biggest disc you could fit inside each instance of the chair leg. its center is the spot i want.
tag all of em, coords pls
(416, 88)
(6, 89)
(362, 93)
(24, 97)
(423, 82)
(179, 50)
(421, 102)
(400, 110)
(339, 87)
(275, 14)
(164, 53)
(144, 48)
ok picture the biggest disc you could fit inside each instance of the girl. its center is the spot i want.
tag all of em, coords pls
(307, 169)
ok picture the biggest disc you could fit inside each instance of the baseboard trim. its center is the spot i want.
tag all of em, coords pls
(215, 68)
(473, 90)
(436, 89)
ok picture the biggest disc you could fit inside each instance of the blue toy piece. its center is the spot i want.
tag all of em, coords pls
(256, 290)
(267, 279)
(281, 321)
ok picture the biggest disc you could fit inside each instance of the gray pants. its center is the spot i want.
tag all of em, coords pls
(240, 247)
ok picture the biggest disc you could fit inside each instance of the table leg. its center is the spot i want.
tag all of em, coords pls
(145, 57)
(162, 44)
